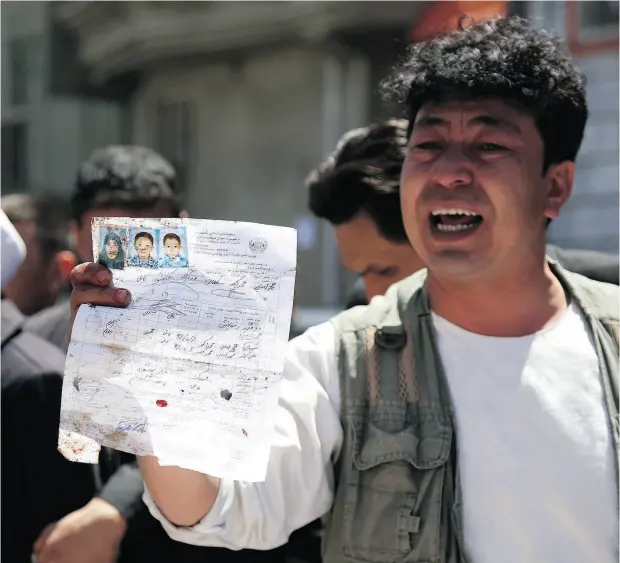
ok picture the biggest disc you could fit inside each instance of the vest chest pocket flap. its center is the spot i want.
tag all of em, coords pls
(394, 503)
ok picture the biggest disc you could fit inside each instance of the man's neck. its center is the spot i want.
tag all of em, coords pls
(517, 305)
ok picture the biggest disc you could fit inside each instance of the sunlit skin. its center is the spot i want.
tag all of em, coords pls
(111, 249)
(485, 157)
(380, 262)
(172, 248)
(144, 246)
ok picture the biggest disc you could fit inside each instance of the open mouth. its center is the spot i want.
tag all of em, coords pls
(454, 220)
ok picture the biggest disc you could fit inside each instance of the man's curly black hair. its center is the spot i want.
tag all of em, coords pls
(501, 58)
(362, 175)
(126, 176)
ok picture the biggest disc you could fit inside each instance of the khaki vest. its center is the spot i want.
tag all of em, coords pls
(398, 495)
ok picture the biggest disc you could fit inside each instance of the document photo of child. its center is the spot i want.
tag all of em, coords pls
(173, 251)
(143, 248)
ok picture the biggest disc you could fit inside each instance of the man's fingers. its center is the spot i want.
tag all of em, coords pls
(43, 536)
(92, 285)
(91, 273)
(107, 296)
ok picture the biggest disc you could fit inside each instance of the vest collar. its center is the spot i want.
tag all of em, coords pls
(583, 290)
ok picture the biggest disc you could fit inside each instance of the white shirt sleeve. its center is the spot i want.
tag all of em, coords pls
(299, 487)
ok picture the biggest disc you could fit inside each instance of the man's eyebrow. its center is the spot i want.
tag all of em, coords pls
(497, 122)
(430, 121)
(486, 120)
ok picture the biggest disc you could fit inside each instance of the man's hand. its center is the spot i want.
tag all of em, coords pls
(92, 284)
(91, 534)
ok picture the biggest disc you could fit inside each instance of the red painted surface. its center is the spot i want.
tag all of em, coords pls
(442, 16)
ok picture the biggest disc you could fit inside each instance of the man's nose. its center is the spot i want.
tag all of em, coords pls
(453, 168)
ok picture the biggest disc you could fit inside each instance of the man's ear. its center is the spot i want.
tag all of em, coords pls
(559, 183)
(65, 262)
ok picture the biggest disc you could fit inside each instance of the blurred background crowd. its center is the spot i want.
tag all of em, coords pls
(242, 100)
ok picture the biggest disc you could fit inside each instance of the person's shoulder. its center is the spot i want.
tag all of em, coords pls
(30, 355)
(599, 266)
(23, 352)
(49, 315)
(51, 324)
(31, 367)
(602, 299)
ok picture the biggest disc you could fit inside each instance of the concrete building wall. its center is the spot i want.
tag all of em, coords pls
(253, 130)
(59, 132)
(590, 219)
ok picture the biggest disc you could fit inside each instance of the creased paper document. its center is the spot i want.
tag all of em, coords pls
(190, 371)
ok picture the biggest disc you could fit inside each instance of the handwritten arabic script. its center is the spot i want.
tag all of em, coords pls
(189, 371)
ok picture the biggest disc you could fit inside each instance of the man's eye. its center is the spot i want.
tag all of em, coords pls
(387, 272)
(490, 147)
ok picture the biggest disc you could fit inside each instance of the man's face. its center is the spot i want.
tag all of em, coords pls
(37, 283)
(143, 248)
(172, 248)
(473, 192)
(111, 249)
(366, 252)
(82, 232)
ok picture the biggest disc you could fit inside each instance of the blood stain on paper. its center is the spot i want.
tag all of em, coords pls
(161, 403)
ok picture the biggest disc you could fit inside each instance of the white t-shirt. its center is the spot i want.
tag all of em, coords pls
(535, 452)
(535, 449)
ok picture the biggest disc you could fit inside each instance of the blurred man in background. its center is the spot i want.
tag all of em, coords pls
(357, 189)
(39, 486)
(44, 275)
(116, 181)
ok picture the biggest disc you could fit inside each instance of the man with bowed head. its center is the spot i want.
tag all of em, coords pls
(471, 412)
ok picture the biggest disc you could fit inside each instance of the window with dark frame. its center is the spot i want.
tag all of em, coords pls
(599, 18)
(592, 27)
(14, 157)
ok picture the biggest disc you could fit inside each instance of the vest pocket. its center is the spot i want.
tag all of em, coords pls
(393, 504)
